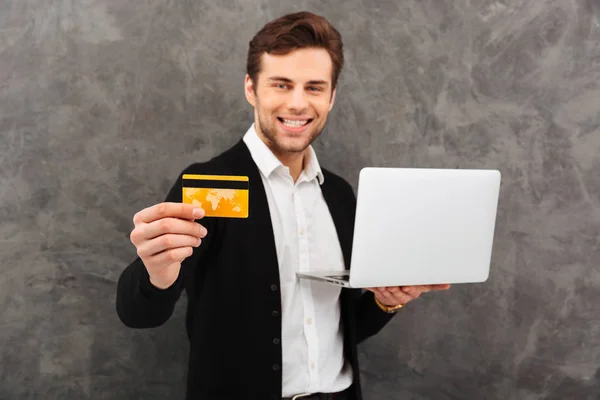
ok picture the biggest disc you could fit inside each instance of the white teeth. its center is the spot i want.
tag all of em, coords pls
(294, 123)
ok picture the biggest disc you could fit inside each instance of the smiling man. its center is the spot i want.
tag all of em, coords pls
(292, 97)
(255, 330)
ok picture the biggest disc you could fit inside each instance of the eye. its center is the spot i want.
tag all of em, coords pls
(281, 86)
(314, 89)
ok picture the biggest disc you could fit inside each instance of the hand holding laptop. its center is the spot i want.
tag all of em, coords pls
(392, 296)
(419, 229)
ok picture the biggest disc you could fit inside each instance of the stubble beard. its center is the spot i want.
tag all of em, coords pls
(268, 127)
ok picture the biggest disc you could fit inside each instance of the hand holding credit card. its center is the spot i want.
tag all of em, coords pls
(223, 196)
(164, 235)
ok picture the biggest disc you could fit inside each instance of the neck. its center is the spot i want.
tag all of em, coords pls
(294, 161)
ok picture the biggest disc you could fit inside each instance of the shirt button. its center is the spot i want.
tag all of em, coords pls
(275, 313)
(312, 366)
(276, 367)
(308, 321)
(301, 231)
(274, 287)
(276, 341)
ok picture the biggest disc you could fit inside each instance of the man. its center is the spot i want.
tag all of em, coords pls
(255, 330)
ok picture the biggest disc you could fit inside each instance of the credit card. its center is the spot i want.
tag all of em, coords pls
(219, 195)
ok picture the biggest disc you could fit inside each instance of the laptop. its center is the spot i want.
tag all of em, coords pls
(420, 226)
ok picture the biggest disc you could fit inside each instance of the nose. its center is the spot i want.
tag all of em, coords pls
(297, 100)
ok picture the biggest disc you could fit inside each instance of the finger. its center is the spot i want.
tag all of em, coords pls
(425, 288)
(169, 257)
(392, 295)
(397, 293)
(173, 225)
(389, 298)
(411, 291)
(197, 213)
(441, 287)
(401, 297)
(166, 242)
(166, 210)
(416, 289)
(438, 287)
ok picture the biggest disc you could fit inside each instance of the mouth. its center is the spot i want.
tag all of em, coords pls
(294, 125)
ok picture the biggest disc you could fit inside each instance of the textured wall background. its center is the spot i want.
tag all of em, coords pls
(103, 102)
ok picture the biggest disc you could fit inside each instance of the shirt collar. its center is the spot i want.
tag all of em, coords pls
(267, 162)
(313, 168)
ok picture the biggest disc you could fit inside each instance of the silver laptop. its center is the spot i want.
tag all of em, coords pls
(420, 226)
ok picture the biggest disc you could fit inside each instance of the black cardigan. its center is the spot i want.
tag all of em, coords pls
(232, 285)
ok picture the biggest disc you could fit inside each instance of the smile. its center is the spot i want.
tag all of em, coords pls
(294, 123)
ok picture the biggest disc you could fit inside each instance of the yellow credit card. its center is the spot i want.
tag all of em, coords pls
(218, 195)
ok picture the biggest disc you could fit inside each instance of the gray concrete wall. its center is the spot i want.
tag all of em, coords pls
(103, 102)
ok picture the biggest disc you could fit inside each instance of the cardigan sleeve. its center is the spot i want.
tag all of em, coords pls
(140, 304)
(370, 319)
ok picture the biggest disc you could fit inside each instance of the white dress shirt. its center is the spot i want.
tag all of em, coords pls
(306, 240)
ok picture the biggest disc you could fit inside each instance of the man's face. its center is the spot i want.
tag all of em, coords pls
(293, 97)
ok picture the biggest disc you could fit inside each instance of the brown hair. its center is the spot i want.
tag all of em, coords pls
(296, 31)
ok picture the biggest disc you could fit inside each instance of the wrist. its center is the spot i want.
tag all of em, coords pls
(388, 309)
(159, 285)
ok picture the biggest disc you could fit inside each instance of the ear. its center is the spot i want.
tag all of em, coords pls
(249, 91)
(332, 101)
